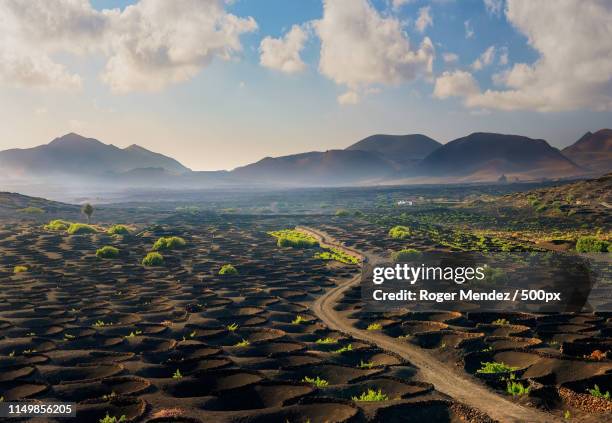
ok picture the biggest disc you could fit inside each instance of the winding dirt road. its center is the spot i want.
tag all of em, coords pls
(445, 377)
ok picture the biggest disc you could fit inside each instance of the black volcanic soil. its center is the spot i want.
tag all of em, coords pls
(181, 343)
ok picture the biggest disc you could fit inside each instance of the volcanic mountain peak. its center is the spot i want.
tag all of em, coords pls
(593, 151)
(402, 149)
(88, 157)
(483, 153)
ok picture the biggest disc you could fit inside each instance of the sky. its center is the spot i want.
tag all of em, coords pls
(219, 84)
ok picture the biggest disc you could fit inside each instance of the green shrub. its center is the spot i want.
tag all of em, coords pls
(342, 213)
(371, 395)
(294, 239)
(243, 343)
(109, 419)
(407, 254)
(153, 259)
(596, 392)
(31, 210)
(107, 252)
(228, 270)
(374, 326)
(169, 243)
(299, 320)
(118, 230)
(592, 244)
(366, 365)
(516, 389)
(318, 382)
(399, 232)
(20, 269)
(501, 322)
(337, 255)
(344, 349)
(58, 225)
(326, 341)
(494, 367)
(81, 228)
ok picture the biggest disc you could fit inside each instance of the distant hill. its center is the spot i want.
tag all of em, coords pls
(74, 154)
(486, 156)
(592, 151)
(589, 200)
(401, 149)
(24, 207)
(329, 168)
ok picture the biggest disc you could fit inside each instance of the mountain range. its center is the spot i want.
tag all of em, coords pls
(378, 159)
(73, 154)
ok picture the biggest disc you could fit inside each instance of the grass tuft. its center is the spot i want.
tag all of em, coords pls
(243, 343)
(169, 243)
(153, 259)
(344, 349)
(490, 367)
(81, 228)
(107, 252)
(371, 395)
(318, 382)
(118, 230)
(228, 270)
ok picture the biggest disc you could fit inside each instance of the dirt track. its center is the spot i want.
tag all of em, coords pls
(445, 377)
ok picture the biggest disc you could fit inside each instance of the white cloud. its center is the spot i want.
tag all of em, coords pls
(148, 45)
(158, 42)
(22, 69)
(283, 54)
(494, 7)
(574, 68)
(450, 57)
(455, 84)
(349, 97)
(359, 47)
(424, 20)
(485, 59)
(30, 32)
(469, 31)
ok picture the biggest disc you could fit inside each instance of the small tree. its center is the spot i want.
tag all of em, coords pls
(87, 210)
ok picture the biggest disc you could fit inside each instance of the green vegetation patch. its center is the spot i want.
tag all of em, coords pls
(406, 254)
(592, 244)
(596, 392)
(169, 243)
(81, 228)
(20, 269)
(31, 210)
(491, 367)
(318, 382)
(294, 239)
(337, 255)
(516, 389)
(113, 419)
(371, 395)
(153, 259)
(58, 225)
(326, 341)
(344, 349)
(399, 232)
(118, 230)
(228, 270)
(107, 252)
